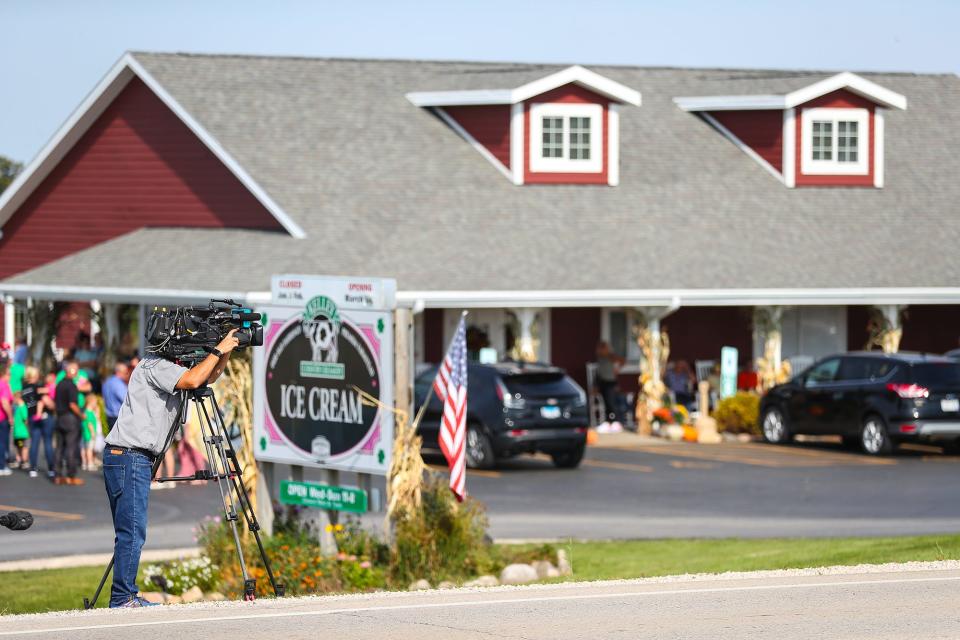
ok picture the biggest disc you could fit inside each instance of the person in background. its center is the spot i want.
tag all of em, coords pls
(679, 381)
(21, 351)
(608, 366)
(114, 391)
(89, 428)
(6, 415)
(85, 355)
(69, 416)
(40, 419)
(21, 433)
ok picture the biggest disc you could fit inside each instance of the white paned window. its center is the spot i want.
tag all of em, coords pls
(835, 141)
(566, 138)
(552, 137)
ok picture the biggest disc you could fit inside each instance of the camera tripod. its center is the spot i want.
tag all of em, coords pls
(224, 468)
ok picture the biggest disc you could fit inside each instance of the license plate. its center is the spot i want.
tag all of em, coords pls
(550, 413)
(950, 404)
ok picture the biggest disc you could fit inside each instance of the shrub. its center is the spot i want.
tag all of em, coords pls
(739, 413)
(444, 540)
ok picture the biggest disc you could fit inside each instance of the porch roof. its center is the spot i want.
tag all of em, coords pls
(181, 265)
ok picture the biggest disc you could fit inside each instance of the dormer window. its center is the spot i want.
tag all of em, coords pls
(566, 138)
(563, 128)
(827, 134)
(835, 141)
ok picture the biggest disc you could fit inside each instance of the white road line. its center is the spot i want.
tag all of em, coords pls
(482, 603)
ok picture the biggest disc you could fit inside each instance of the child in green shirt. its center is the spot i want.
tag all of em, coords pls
(88, 430)
(21, 432)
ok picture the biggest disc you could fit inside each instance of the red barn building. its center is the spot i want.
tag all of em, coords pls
(554, 202)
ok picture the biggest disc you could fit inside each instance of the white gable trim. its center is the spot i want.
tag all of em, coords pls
(729, 135)
(730, 103)
(575, 74)
(850, 81)
(583, 77)
(482, 150)
(92, 108)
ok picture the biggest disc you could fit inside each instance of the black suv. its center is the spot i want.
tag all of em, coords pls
(871, 399)
(513, 408)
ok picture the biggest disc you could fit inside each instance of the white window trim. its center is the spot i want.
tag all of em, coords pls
(539, 164)
(833, 167)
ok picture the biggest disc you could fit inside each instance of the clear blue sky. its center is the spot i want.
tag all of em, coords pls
(55, 51)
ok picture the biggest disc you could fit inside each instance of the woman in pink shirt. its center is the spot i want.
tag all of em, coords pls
(6, 416)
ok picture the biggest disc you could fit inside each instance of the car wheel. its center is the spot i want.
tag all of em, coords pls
(479, 451)
(569, 459)
(874, 438)
(774, 426)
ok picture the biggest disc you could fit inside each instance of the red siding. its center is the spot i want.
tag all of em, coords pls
(137, 166)
(840, 99)
(698, 333)
(574, 333)
(762, 131)
(489, 125)
(433, 335)
(570, 93)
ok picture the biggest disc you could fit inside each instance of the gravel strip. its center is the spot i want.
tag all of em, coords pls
(268, 603)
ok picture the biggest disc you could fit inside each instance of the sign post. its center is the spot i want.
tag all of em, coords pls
(325, 340)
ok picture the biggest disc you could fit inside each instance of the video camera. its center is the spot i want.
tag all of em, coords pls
(188, 334)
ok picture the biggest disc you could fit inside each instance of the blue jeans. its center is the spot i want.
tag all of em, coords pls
(127, 478)
(42, 429)
(4, 442)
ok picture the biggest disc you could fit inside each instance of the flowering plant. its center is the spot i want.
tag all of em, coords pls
(175, 577)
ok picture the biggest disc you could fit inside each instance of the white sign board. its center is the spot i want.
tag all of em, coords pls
(325, 338)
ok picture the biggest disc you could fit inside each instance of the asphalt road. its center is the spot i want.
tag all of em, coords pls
(915, 604)
(624, 489)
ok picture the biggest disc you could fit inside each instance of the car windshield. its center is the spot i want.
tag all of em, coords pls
(937, 374)
(541, 384)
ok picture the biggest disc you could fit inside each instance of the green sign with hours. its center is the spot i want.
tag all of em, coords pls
(322, 496)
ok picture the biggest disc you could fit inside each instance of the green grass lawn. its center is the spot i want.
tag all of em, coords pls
(56, 589)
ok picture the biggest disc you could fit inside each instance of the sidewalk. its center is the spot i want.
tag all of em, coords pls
(94, 559)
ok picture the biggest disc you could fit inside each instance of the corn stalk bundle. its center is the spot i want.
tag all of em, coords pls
(405, 475)
(235, 392)
(654, 353)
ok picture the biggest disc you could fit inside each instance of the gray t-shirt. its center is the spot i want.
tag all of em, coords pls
(148, 411)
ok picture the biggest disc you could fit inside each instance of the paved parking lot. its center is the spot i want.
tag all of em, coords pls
(625, 488)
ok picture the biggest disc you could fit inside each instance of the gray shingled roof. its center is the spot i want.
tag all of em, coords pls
(382, 187)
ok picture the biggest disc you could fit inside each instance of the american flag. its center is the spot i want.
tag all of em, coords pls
(451, 387)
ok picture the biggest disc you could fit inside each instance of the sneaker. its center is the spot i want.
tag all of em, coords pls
(59, 480)
(137, 601)
(76, 481)
(6, 472)
(616, 427)
(51, 475)
(603, 427)
(33, 473)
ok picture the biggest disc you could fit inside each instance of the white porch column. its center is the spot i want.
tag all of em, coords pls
(29, 321)
(527, 346)
(768, 332)
(141, 328)
(9, 321)
(890, 332)
(95, 308)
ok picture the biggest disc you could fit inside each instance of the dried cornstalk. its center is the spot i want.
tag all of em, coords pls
(405, 476)
(235, 394)
(653, 360)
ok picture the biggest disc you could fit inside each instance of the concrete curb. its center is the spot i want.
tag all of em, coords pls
(94, 559)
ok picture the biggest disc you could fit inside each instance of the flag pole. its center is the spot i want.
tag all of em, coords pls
(426, 400)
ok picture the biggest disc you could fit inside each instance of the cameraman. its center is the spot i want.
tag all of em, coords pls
(132, 446)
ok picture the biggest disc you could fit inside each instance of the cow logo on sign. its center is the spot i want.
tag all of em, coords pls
(321, 325)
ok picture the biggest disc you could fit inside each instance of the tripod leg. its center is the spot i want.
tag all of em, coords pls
(213, 441)
(181, 413)
(244, 498)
